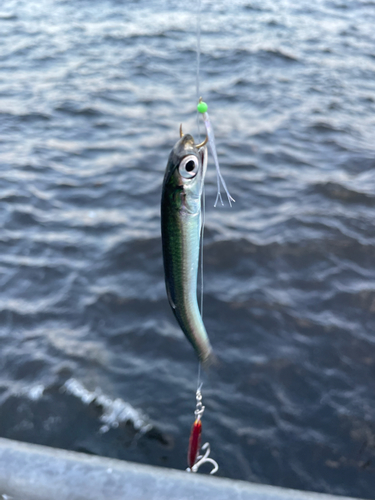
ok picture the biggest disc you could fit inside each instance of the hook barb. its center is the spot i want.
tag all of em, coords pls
(198, 146)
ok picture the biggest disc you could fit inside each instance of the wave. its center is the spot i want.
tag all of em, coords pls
(114, 412)
(75, 108)
(32, 116)
(279, 53)
(256, 7)
(326, 126)
(8, 17)
(336, 191)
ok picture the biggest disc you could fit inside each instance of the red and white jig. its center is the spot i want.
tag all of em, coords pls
(195, 456)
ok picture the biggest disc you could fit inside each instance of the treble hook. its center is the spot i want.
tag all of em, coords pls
(203, 459)
(200, 145)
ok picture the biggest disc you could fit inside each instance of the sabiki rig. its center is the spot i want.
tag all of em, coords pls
(181, 227)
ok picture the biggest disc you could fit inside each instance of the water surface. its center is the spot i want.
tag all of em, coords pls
(91, 97)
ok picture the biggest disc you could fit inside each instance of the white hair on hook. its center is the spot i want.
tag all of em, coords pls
(220, 179)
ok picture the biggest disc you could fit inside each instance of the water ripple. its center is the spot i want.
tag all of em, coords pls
(91, 97)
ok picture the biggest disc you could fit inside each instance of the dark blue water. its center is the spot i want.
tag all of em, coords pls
(91, 97)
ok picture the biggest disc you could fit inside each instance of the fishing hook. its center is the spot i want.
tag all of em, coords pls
(203, 459)
(202, 143)
(198, 146)
(195, 460)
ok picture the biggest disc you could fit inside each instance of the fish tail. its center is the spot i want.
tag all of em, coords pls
(209, 361)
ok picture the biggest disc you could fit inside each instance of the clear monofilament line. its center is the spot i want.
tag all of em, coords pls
(199, 8)
(197, 80)
(203, 214)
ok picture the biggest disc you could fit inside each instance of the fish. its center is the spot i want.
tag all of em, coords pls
(181, 225)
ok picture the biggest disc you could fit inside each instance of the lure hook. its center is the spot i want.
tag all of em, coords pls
(195, 460)
(198, 146)
(202, 143)
(204, 459)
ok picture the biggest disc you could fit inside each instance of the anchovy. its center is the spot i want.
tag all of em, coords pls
(181, 223)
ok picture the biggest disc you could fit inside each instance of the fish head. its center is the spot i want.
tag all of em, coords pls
(185, 173)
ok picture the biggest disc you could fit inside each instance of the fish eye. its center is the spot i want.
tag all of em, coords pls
(189, 167)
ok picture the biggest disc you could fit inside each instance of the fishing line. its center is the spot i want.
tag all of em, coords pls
(199, 9)
(182, 226)
(203, 212)
(196, 457)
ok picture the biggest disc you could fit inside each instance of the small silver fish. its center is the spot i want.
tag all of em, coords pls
(181, 224)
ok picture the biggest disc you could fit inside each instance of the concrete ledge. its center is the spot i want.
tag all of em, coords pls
(31, 472)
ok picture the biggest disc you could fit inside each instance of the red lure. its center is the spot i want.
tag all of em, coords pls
(195, 456)
(194, 442)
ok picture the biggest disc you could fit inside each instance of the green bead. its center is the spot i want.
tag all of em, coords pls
(202, 107)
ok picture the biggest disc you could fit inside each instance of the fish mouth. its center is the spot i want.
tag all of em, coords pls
(186, 143)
